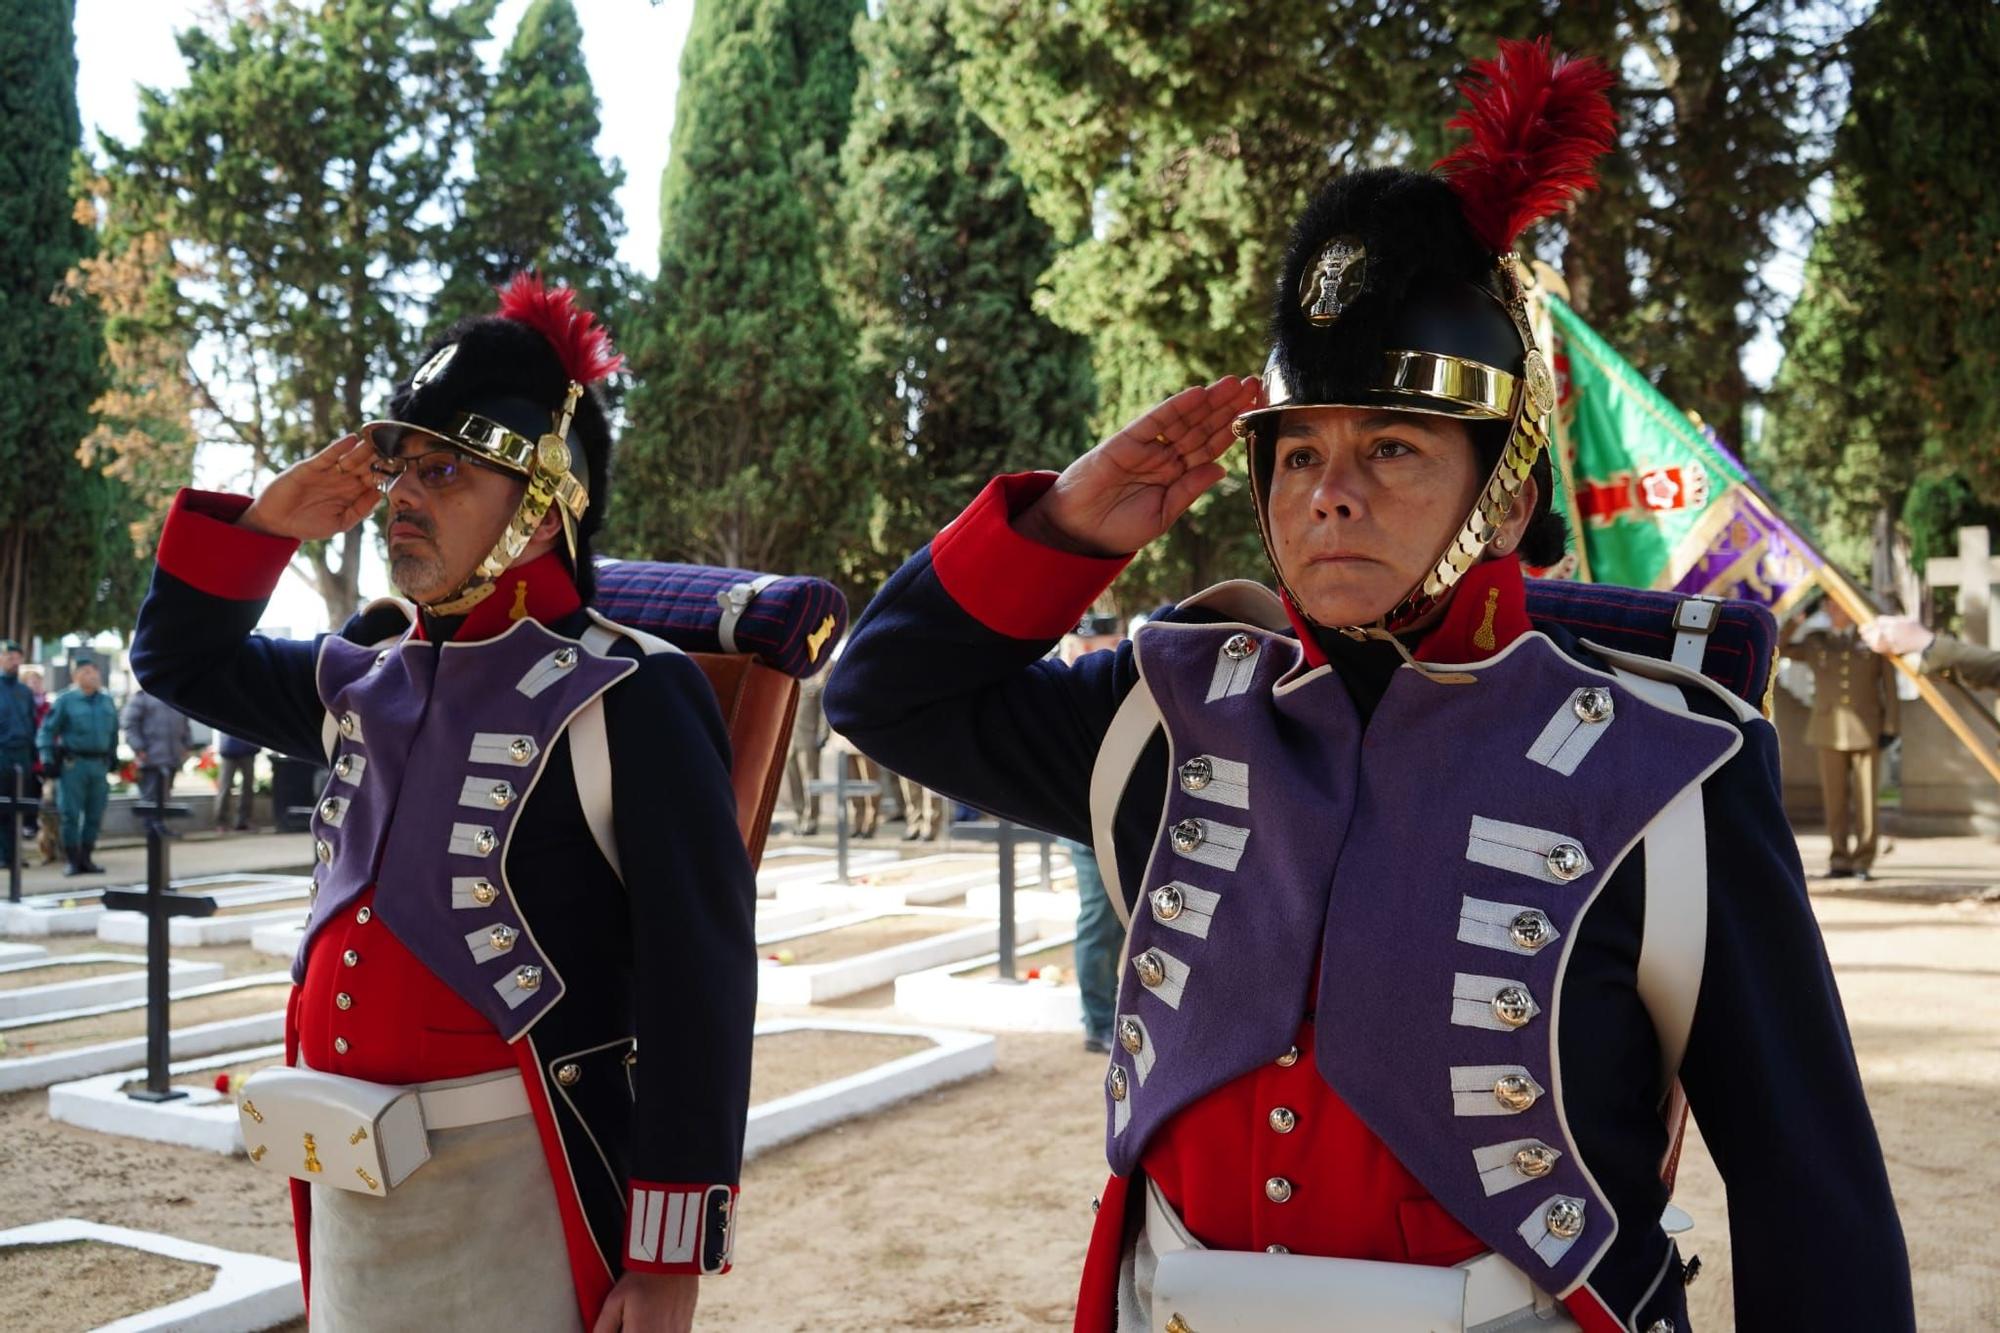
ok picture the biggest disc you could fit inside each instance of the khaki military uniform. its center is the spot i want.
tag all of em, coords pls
(1854, 712)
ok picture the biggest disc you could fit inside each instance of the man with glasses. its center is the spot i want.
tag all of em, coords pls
(502, 916)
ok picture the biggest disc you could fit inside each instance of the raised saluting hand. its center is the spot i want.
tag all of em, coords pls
(320, 496)
(1136, 484)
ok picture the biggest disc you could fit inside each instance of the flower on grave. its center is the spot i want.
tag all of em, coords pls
(222, 1083)
(1052, 975)
(1034, 974)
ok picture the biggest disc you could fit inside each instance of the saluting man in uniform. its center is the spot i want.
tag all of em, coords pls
(501, 920)
(1401, 864)
(79, 741)
(1854, 717)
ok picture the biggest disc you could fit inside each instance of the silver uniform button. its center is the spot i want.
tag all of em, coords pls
(521, 749)
(1535, 1162)
(502, 937)
(567, 1075)
(343, 1001)
(364, 916)
(382, 657)
(350, 959)
(343, 767)
(349, 724)
(1529, 929)
(323, 850)
(484, 841)
(483, 892)
(1514, 1092)
(1151, 968)
(1197, 773)
(1564, 1219)
(1167, 903)
(565, 658)
(1289, 1058)
(329, 809)
(1284, 1119)
(1277, 1189)
(502, 795)
(528, 977)
(1130, 1035)
(1116, 1081)
(1593, 706)
(1276, 1249)
(1566, 861)
(1660, 1326)
(340, 1046)
(1188, 835)
(1513, 1006)
(1239, 646)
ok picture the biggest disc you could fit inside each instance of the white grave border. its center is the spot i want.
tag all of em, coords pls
(250, 1291)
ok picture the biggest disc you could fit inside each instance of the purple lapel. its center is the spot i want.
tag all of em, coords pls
(441, 748)
(1436, 868)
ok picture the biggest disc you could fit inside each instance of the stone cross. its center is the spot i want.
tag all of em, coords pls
(1973, 572)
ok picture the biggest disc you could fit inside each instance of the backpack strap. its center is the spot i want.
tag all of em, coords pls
(590, 745)
(1694, 621)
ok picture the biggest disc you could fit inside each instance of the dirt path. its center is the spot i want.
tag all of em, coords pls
(969, 1208)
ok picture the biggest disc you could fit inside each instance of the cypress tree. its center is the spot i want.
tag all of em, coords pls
(744, 430)
(53, 510)
(540, 196)
(961, 377)
(1889, 394)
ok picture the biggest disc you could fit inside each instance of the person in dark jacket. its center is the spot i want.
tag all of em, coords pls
(17, 745)
(236, 766)
(1439, 917)
(518, 912)
(158, 736)
(78, 741)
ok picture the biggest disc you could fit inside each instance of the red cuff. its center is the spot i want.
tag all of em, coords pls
(1010, 584)
(202, 546)
(687, 1229)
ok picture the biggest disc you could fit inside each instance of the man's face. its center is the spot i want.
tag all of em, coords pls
(87, 678)
(1362, 501)
(10, 661)
(445, 513)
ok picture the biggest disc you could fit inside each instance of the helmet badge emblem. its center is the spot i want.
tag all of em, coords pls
(434, 367)
(1333, 281)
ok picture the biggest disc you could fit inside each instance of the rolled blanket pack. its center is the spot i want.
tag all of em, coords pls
(788, 622)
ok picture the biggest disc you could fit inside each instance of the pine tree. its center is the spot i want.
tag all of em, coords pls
(744, 432)
(298, 172)
(540, 197)
(961, 377)
(52, 509)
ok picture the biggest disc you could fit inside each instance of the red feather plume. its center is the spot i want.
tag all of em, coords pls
(582, 344)
(1539, 122)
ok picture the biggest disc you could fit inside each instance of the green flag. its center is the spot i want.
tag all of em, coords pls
(1656, 500)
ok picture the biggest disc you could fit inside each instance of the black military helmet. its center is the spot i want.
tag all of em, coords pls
(1401, 292)
(514, 389)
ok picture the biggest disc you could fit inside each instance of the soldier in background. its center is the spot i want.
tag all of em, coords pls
(802, 764)
(78, 740)
(1854, 717)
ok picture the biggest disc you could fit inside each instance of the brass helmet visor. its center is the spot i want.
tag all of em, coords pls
(543, 464)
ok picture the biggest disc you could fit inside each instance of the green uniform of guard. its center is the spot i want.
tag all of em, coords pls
(80, 735)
